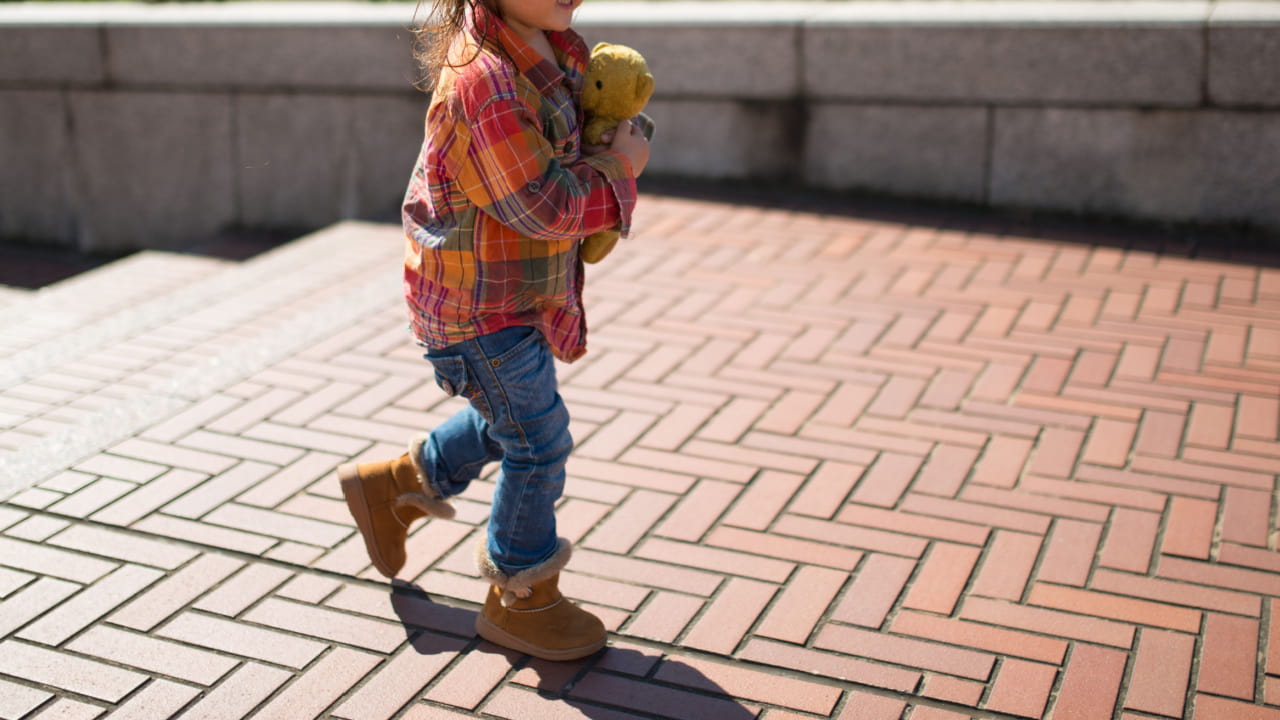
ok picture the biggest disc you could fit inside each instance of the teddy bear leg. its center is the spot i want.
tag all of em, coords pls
(596, 247)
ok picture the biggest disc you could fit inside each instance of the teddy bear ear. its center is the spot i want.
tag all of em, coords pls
(599, 46)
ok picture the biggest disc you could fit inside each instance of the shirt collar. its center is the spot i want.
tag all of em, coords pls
(545, 75)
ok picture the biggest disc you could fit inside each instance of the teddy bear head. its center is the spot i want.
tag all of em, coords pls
(618, 83)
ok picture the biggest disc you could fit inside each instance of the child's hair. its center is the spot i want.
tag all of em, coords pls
(434, 38)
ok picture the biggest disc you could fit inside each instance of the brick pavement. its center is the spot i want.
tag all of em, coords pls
(830, 465)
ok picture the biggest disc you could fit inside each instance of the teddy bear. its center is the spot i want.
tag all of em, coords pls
(617, 87)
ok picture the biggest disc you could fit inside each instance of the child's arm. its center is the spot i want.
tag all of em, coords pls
(508, 168)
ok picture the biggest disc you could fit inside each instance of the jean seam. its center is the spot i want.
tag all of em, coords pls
(501, 389)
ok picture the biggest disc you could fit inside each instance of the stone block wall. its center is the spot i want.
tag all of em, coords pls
(126, 126)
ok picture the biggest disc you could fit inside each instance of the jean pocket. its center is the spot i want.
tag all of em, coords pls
(455, 379)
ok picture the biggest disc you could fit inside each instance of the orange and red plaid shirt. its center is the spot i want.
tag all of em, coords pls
(501, 194)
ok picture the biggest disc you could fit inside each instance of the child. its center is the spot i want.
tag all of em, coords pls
(501, 195)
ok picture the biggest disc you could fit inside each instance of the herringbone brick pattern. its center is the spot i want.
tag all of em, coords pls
(828, 466)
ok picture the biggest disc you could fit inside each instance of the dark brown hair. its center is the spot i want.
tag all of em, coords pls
(434, 37)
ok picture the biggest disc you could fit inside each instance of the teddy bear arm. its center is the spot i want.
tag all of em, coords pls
(596, 128)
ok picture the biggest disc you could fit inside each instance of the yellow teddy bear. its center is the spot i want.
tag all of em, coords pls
(618, 86)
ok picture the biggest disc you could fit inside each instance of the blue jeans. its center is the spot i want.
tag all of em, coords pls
(515, 415)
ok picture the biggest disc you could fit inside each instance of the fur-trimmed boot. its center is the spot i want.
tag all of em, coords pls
(384, 497)
(527, 613)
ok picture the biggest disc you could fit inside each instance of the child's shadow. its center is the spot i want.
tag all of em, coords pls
(628, 678)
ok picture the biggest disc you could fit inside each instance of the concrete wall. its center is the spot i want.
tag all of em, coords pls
(128, 126)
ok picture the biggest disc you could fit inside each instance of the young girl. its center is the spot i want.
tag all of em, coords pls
(500, 197)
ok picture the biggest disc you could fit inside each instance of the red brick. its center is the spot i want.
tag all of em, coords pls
(236, 594)
(791, 412)
(840, 451)
(239, 694)
(729, 616)
(748, 684)
(846, 404)
(1209, 426)
(885, 482)
(763, 499)
(955, 690)
(1110, 442)
(402, 678)
(1212, 574)
(673, 429)
(903, 521)
(614, 437)
(830, 665)
(905, 651)
(1007, 569)
(804, 600)
(152, 655)
(326, 681)
(698, 510)
(1002, 461)
(1209, 707)
(96, 600)
(242, 639)
(979, 514)
(717, 560)
(56, 563)
(641, 477)
(1130, 540)
(514, 704)
(1102, 605)
(1161, 671)
(874, 590)
(1056, 452)
(1022, 688)
(327, 624)
(1258, 417)
(159, 699)
(472, 679)
(147, 498)
(782, 548)
(1177, 593)
(31, 601)
(1069, 554)
(1228, 656)
(630, 521)
(644, 572)
(945, 574)
(1189, 527)
(945, 470)
(1203, 473)
(1048, 622)
(667, 702)
(1246, 516)
(733, 420)
(865, 706)
(664, 617)
(980, 636)
(826, 489)
(1090, 683)
(67, 672)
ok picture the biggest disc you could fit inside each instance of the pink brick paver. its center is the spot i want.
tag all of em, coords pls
(853, 465)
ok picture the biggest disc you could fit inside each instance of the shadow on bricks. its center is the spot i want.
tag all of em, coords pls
(627, 678)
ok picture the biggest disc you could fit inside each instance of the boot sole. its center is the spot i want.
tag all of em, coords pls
(351, 491)
(496, 635)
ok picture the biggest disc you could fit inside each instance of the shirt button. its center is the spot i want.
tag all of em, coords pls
(535, 186)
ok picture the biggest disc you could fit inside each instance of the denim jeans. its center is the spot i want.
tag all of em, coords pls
(514, 414)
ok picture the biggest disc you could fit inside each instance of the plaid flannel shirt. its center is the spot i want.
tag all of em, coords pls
(501, 194)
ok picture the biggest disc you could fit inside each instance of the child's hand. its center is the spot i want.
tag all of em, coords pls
(630, 141)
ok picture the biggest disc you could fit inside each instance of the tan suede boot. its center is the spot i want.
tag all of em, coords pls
(527, 613)
(384, 498)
